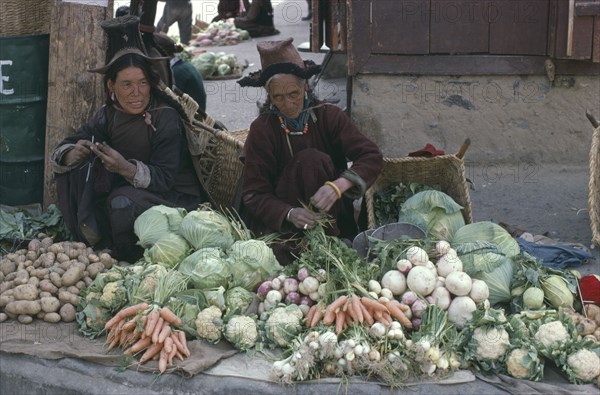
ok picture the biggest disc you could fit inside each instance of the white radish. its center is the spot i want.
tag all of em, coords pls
(461, 311)
(449, 263)
(404, 266)
(479, 291)
(374, 286)
(440, 297)
(442, 247)
(394, 281)
(377, 330)
(421, 280)
(386, 293)
(417, 256)
(458, 283)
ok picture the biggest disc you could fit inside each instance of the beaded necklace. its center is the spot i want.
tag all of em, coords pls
(285, 128)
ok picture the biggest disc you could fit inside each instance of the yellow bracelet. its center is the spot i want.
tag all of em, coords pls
(335, 188)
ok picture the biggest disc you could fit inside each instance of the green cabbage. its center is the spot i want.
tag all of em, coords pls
(251, 262)
(168, 251)
(153, 223)
(205, 63)
(223, 69)
(488, 231)
(207, 268)
(435, 212)
(206, 229)
(237, 300)
(484, 261)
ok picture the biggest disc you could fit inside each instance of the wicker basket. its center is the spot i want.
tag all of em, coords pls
(24, 17)
(216, 160)
(446, 171)
(594, 187)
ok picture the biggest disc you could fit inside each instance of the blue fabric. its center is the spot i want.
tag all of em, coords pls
(556, 256)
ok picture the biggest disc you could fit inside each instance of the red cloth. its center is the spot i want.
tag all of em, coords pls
(428, 151)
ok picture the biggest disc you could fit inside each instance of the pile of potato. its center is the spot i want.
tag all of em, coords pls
(588, 325)
(44, 280)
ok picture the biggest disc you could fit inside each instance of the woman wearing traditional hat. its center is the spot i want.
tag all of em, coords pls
(131, 155)
(297, 151)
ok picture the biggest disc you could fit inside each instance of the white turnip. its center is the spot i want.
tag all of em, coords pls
(394, 281)
(418, 308)
(403, 266)
(479, 291)
(417, 256)
(440, 297)
(449, 263)
(421, 280)
(458, 283)
(442, 247)
(374, 286)
(461, 311)
(409, 297)
(311, 284)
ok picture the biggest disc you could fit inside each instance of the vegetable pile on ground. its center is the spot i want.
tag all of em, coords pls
(45, 280)
(220, 33)
(215, 64)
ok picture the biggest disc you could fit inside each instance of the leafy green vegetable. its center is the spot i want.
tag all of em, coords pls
(21, 224)
(435, 212)
(387, 203)
(207, 228)
(155, 222)
(250, 262)
(207, 268)
(168, 251)
(237, 301)
(488, 231)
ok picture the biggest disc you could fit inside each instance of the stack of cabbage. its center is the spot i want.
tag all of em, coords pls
(205, 245)
(211, 64)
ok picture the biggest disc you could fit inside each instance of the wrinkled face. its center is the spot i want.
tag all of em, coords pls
(286, 92)
(131, 89)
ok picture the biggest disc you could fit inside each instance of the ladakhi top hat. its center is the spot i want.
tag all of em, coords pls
(279, 57)
(124, 38)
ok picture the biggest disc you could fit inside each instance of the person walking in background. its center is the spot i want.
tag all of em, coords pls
(187, 78)
(179, 11)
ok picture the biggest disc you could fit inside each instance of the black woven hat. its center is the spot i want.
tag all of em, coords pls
(279, 57)
(123, 37)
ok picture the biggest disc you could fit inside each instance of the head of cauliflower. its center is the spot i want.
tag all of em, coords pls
(242, 332)
(492, 343)
(583, 366)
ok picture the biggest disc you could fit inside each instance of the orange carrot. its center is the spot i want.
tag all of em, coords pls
(171, 355)
(157, 329)
(350, 310)
(176, 342)
(348, 319)
(183, 341)
(140, 345)
(333, 307)
(382, 317)
(170, 317)
(162, 361)
(165, 332)
(129, 325)
(310, 315)
(151, 351)
(178, 354)
(340, 319)
(357, 309)
(399, 315)
(168, 344)
(368, 317)
(151, 322)
(316, 317)
(373, 304)
(126, 312)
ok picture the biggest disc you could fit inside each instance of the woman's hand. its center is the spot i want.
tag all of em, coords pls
(304, 219)
(79, 153)
(113, 161)
(327, 195)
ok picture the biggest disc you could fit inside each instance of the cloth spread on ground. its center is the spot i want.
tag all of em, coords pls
(557, 255)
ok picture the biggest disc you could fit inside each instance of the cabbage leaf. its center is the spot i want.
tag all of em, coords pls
(155, 222)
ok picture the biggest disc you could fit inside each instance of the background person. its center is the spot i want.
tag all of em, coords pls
(179, 11)
(297, 151)
(131, 155)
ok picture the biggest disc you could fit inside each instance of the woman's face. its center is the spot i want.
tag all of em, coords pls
(131, 89)
(286, 92)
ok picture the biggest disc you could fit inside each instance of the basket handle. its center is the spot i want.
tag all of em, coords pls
(463, 149)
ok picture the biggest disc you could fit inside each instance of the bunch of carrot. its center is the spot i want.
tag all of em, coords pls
(139, 328)
(348, 309)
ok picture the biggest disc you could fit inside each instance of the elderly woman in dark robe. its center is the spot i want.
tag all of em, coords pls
(303, 158)
(131, 155)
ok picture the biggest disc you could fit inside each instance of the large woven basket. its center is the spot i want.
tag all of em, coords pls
(594, 187)
(445, 171)
(216, 160)
(24, 17)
